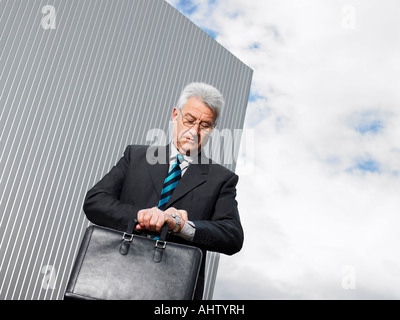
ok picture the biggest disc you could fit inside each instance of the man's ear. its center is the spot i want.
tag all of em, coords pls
(174, 115)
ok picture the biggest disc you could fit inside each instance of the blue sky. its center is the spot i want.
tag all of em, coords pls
(324, 107)
(189, 7)
(365, 165)
(369, 122)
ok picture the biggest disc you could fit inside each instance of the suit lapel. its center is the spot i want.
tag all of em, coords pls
(195, 175)
(158, 164)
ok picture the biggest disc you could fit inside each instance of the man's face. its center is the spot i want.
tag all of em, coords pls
(189, 140)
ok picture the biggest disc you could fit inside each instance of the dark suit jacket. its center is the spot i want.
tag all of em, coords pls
(206, 191)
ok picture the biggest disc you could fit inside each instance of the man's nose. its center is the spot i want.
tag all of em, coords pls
(196, 128)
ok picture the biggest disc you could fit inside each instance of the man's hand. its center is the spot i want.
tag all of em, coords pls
(153, 219)
(182, 213)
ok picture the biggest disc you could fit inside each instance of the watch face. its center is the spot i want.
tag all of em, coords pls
(178, 224)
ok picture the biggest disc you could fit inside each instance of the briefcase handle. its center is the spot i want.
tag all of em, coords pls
(159, 247)
(133, 223)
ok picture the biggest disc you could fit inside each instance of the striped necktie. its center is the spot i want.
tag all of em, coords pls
(170, 183)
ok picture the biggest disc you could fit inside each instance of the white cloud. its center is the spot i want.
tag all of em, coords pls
(311, 205)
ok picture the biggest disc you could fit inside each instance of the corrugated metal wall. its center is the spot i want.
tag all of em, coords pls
(79, 81)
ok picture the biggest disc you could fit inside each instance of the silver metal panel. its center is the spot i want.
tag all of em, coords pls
(79, 81)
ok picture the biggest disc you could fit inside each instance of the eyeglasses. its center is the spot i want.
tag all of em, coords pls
(205, 127)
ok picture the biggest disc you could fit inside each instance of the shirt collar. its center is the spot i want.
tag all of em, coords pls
(174, 152)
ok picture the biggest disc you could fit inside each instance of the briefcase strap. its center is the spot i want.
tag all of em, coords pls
(131, 226)
(159, 247)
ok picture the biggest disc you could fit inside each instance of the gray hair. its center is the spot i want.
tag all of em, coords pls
(206, 93)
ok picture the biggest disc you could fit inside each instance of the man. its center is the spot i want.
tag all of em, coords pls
(193, 195)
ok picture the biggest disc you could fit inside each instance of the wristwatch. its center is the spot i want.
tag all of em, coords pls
(178, 223)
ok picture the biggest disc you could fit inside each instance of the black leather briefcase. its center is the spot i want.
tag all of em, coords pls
(113, 265)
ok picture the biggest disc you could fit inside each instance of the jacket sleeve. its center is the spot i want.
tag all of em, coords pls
(224, 232)
(102, 204)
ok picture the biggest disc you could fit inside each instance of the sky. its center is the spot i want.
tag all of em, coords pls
(320, 206)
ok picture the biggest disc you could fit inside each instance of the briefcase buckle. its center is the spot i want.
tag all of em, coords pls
(160, 244)
(127, 237)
